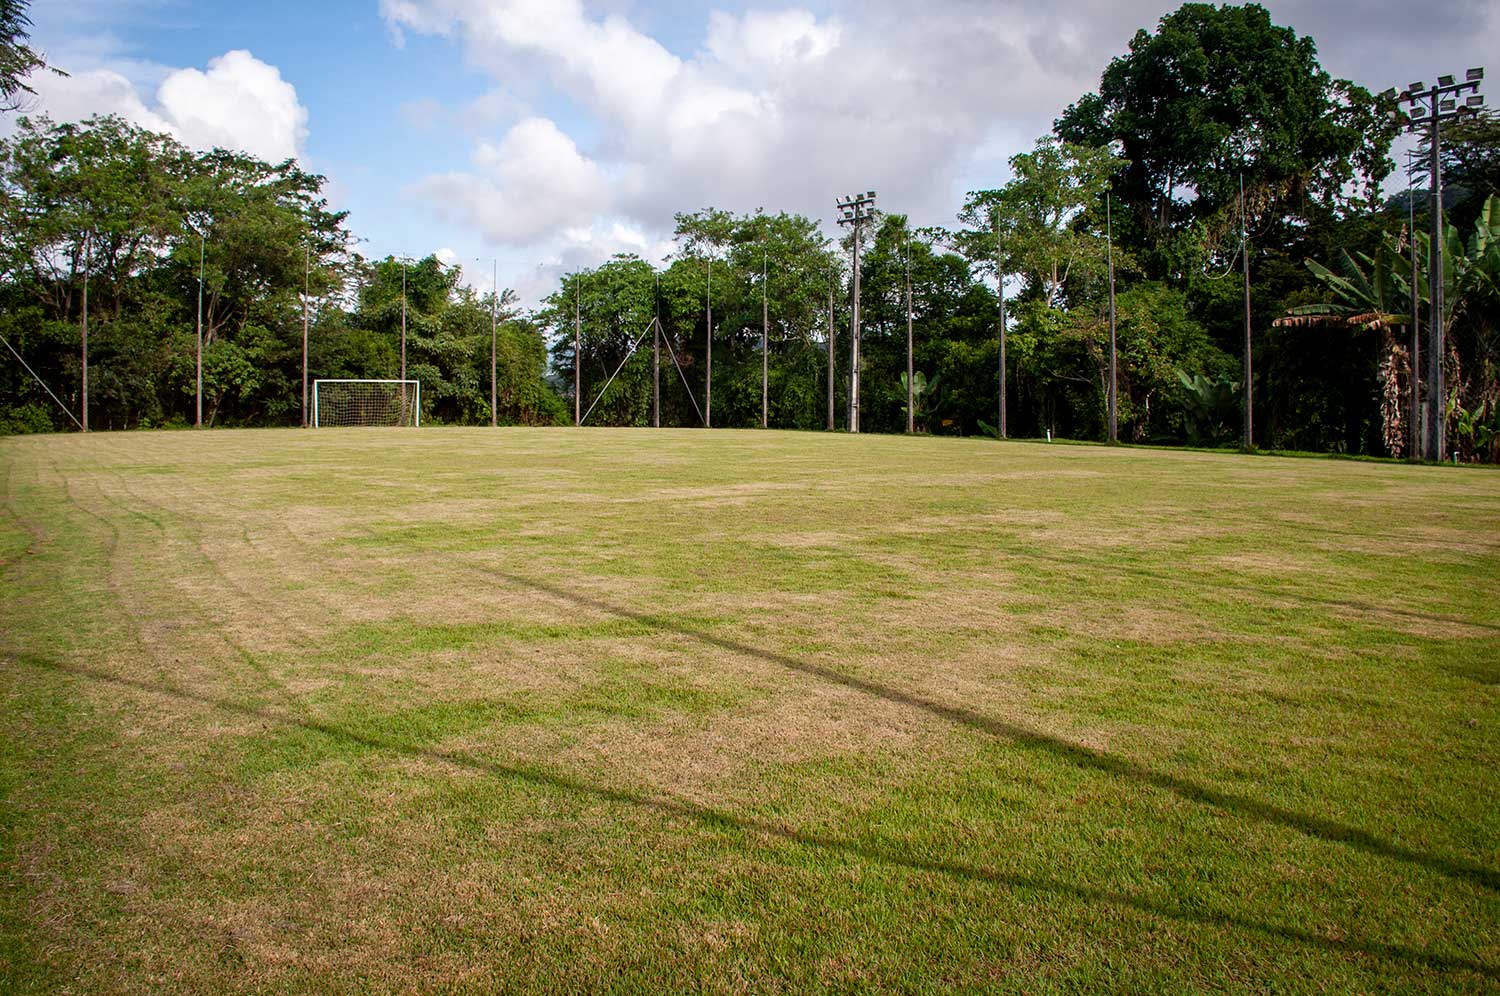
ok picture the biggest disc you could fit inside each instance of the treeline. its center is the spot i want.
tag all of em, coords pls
(139, 224)
(1218, 130)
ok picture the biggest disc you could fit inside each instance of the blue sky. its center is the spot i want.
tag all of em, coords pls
(552, 133)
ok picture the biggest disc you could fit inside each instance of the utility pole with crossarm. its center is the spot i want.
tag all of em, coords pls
(854, 211)
(1430, 107)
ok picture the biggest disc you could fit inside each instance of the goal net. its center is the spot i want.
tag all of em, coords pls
(366, 402)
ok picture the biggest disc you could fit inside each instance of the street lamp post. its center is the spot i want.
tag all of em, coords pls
(1430, 107)
(854, 211)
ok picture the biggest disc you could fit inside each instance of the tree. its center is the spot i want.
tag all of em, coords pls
(1220, 92)
(18, 60)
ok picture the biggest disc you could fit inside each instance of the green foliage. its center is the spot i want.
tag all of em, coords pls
(1211, 406)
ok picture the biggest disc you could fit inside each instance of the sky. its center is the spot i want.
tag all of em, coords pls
(535, 137)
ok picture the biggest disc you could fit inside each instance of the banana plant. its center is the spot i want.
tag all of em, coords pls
(924, 395)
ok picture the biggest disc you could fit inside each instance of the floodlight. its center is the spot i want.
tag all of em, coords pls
(1415, 88)
(1475, 75)
(1448, 105)
(1476, 101)
(1445, 81)
(871, 195)
(1389, 94)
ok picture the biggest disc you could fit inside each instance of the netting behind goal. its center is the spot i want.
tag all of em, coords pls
(366, 402)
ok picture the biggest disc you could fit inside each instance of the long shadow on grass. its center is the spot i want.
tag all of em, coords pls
(716, 819)
(1185, 578)
(1085, 757)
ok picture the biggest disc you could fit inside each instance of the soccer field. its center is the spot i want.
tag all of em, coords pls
(589, 711)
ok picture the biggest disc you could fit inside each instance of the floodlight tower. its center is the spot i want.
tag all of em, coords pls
(1430, 107)
(854, 211)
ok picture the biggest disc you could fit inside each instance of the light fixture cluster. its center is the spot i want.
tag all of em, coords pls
(1445, 100)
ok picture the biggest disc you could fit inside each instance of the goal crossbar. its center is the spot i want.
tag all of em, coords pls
(348, 401)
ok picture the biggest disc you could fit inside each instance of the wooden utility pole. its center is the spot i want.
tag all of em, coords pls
(1109, 236)
(1249, 442)
(911, 415)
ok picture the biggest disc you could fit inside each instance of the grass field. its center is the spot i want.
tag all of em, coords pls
(471, 711)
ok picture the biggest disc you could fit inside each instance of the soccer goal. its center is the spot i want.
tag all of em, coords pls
(341, 402)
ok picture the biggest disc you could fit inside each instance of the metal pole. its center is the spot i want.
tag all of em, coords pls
(577, 350)
(1415, 433)
(198, 362)
(88, 248)
(306, 292)
(1436, 347)
(854, 341)
(1249, 373)
(765, 336)
(911, 415)
(830, 350)
(1114, 403)
(403, 323)
(656, 358)
(1000, 290)
(494, 324)
(708, 350)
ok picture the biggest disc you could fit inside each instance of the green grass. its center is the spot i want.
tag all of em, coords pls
(467, 711)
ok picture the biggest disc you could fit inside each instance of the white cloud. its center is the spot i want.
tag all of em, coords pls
(238, 103)
(533, 182)
(785, 108)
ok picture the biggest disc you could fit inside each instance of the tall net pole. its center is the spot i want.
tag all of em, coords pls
(88, 249)
(656, 358)
(1000, 291)
(198, 359)
(1249, 442)
(830, 350)
(494, 337)
(708, 349)
(1109, 241)
(765, 336)
(911, 414)
(403, 319)
(306, 294)
(577, 349)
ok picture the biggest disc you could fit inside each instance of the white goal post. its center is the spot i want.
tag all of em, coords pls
(351, 401)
